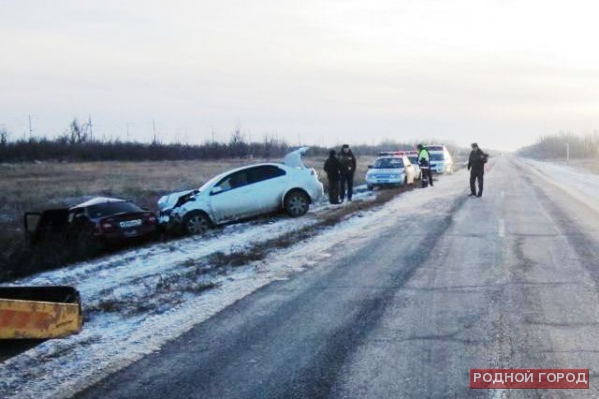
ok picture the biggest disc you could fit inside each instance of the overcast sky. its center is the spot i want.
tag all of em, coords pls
(325, 72)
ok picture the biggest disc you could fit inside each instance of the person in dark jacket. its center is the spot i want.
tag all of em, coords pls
(332, 167)
(348, 169)
(476, 166)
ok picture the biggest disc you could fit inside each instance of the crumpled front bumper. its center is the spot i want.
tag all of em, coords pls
(168, 220)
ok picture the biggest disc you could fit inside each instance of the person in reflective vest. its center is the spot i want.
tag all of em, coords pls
(424, 159)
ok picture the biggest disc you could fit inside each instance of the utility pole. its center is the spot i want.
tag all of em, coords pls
(127, 126)
(30, 128)
(91, 130)
(567, 153)
(154, 130)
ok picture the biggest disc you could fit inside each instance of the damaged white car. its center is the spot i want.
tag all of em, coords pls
(243, 193)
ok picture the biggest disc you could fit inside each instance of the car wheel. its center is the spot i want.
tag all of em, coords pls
(369, 188)
(297, 204)
(196, 223)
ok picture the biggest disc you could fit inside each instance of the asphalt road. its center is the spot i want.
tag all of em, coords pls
(508, 280)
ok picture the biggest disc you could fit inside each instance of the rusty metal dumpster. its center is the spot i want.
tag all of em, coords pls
(39, 312)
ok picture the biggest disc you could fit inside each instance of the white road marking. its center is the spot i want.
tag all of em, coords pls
(501, 228)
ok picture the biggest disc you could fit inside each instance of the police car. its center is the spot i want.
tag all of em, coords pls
(441, 161)
(394, 169)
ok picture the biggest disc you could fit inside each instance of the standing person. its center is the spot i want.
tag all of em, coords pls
(424, 159)
(476, 166)
(348, 169)
(430, 170)
(332, 167)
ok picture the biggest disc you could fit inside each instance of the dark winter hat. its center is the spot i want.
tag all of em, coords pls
(419, 146)
(474, 145)
(332, 153)
(345, 146)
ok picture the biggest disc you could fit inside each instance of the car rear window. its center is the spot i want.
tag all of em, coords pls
(388, 163)
(111, 208)
(265, 172)
(438, 157)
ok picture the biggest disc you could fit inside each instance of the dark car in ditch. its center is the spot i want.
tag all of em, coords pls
(94, 223)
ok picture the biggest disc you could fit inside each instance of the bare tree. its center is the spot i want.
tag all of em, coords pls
(78, 133)
(3, 137)
(237, 145)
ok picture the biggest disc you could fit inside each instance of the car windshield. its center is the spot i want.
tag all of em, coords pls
(435, 148)
(388, 163)
(439, 156)
(211, 182)
(414, 159)
(111, 208)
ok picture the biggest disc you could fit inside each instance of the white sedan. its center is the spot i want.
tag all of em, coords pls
(242, 193)
(394, 170)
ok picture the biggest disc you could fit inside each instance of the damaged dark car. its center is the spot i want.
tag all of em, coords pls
(94, 224)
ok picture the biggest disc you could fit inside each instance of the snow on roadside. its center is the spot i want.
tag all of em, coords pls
(580, 184)
(97, 278)
(112, 340)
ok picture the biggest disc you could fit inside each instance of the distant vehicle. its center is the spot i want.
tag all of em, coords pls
(98, 221)
(243, 193)
(441, 161)
(395, 170)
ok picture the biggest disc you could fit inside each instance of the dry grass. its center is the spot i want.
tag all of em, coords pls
(27, 186)
(36, 186)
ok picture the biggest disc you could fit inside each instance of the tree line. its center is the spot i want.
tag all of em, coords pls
(554, 146)
(77, 144)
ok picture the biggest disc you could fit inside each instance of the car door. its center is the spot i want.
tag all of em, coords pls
(409, 170)
(268, 183)
(230, 198)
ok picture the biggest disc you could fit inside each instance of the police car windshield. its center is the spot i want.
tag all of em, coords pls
(435, 148)
(388, 163)
(437, 157)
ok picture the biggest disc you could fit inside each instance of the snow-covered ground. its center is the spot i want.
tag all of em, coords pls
(580, 184)
(165, 276)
